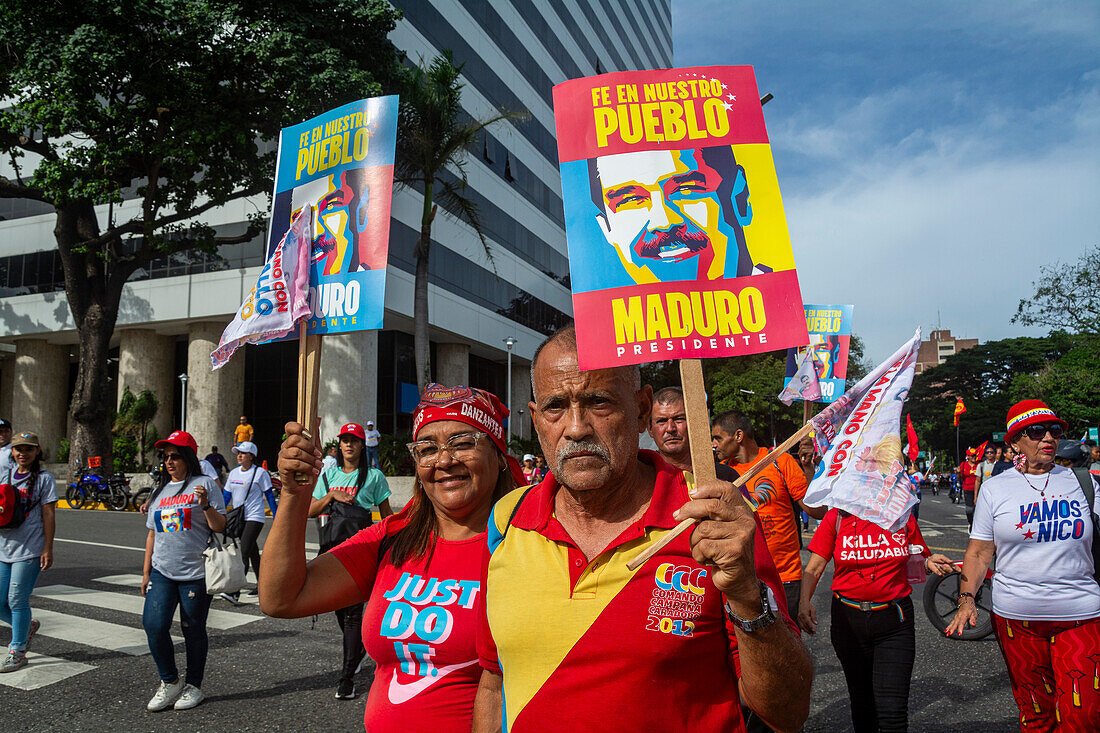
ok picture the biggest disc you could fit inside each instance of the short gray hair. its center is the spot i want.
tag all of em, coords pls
(568, 334)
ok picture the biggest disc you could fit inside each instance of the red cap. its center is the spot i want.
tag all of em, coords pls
(353, 429)
(180, 439)
(1029, 412)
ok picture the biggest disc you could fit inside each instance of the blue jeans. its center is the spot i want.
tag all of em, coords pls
(161, 599)
(17, 580)
(372, 457)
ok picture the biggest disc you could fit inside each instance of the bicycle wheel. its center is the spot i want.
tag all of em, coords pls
(74, 497)
(116, 499)
(941, 600)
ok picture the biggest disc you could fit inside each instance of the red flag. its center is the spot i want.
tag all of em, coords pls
(960, 408)
(911, 434)
(981, 451)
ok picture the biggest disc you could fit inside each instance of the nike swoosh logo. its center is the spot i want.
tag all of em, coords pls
(400, 693)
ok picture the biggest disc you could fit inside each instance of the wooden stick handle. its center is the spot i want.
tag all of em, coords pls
(698, 420)
(741, 481)
(309, 375)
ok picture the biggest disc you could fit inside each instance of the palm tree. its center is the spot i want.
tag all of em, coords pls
(434, 137)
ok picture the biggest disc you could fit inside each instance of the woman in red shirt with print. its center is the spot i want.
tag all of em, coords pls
(419, 571)
(872, 613)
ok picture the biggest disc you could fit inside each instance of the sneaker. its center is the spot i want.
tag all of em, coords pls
(35, 625)
(167, 694)
(345, 690)
(231, 597)
(18, 660)
(251, 591)
(189, 698)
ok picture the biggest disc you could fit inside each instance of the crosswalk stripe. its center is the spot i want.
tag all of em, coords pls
(134, 581)
(92, 632)
(310, 546)
(132, 604)
(41, 671)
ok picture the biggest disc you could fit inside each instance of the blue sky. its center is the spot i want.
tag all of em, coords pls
(931, 155)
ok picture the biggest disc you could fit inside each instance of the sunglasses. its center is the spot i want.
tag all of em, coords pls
(171, 457)
(1036, 432)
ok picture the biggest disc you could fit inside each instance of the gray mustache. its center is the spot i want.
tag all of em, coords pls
(582, 446)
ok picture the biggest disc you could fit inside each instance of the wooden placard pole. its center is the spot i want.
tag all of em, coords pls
(698, 420)
(309, 375)
(743, 479)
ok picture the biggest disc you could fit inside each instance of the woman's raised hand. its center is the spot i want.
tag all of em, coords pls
(298, 458)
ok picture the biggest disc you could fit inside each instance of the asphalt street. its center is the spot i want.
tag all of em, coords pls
(280, 675)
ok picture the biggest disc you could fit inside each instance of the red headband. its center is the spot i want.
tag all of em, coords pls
(475, 407)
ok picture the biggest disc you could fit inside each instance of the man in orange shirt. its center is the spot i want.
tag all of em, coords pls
(774, 489)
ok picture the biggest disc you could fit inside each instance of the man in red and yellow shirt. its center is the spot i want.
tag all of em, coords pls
(571, 638)
(774, 489)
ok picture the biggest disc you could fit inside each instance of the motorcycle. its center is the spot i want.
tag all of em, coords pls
(90, 488)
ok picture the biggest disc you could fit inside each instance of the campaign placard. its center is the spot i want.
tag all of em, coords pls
(830, 331)
(678, 243)
(341, 162)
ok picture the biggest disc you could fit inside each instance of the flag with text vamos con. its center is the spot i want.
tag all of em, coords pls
(280, 297)
(862, 471)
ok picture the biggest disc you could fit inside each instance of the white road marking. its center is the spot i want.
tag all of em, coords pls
(92, 632)
(134, 581)
(41, 671)
(310, 546)
(99, 544)
(931, 532)
(132, 604)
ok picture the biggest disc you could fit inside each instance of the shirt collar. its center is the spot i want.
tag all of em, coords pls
(669, 494)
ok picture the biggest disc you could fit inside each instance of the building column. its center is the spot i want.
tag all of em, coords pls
(349, 381)
(7, 384)
(452, 364)
(40, 398)
(214, 399)
(146, 360)
(521, 395)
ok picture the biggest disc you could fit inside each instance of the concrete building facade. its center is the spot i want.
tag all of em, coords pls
(173, 311)
(939, 345)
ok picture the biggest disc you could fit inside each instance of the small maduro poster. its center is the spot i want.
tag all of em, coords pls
(341, 164)
(830, 332)
(678, 244)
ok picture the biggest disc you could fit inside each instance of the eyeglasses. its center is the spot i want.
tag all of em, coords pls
(171, 457)
(426, 453)
(1036, 432)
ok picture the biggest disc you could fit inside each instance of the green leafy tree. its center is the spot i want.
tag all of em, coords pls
(984, 377)
(432, 149)
(134, 416)
(1067, 297)
(170, 107)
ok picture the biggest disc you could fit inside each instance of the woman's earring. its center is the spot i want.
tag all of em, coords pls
(1020, 462)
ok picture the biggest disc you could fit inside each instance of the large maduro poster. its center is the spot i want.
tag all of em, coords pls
(341, 164)
(678, 244)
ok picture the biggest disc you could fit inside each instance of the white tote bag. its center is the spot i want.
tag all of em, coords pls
(224, 567)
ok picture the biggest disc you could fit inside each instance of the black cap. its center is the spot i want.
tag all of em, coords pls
(4, 423)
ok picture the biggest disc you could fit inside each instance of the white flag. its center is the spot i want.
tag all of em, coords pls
(804, 385)
(280, 297)
(862, 471)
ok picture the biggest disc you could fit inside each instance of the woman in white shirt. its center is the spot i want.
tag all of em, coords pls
(247, 484)
(1046, 601)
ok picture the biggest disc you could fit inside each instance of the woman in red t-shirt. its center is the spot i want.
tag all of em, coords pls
(419, 571)
(872, 613)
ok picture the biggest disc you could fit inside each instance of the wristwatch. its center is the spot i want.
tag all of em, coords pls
(764, 620)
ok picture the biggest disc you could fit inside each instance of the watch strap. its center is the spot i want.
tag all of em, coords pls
(765, 619)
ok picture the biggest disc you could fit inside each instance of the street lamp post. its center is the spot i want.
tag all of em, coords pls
(183, 403)
(510, 342)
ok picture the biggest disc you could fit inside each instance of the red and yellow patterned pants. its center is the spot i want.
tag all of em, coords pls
(1054, 667)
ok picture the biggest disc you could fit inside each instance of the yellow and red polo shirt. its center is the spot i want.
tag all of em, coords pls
(591, 645)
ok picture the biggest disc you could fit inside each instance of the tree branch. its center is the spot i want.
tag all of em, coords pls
(9, 189)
